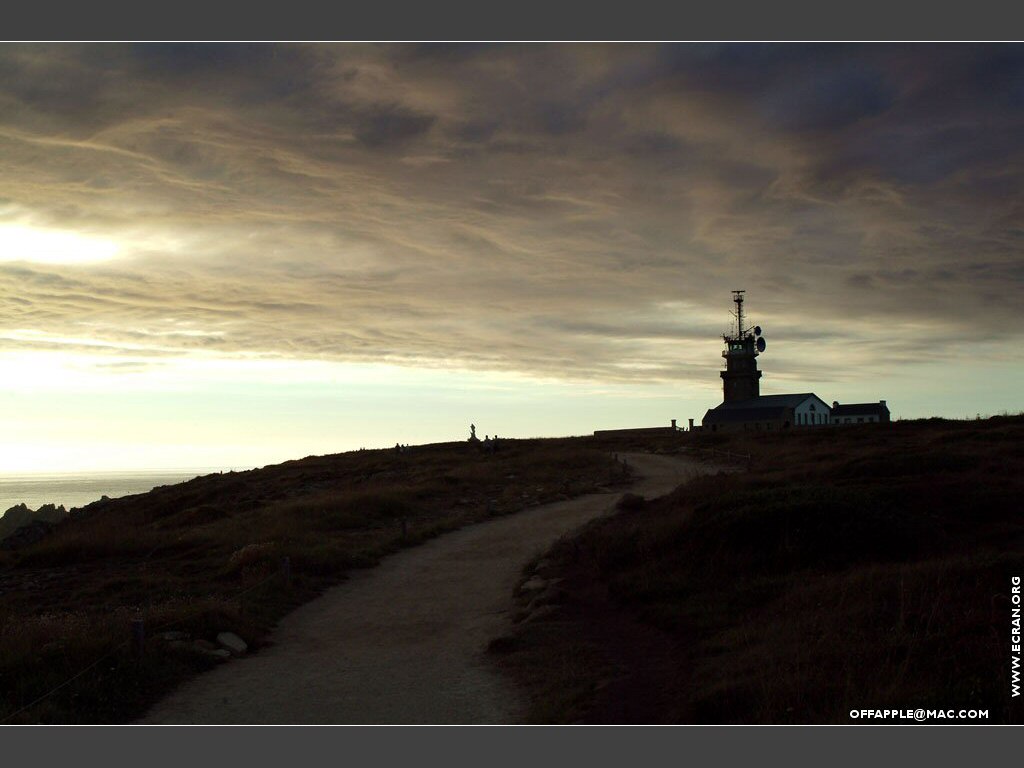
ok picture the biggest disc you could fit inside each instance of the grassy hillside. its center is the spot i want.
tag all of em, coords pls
(206, 556)
(863, 567)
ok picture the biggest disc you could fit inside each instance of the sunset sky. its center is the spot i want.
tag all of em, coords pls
(232, 255)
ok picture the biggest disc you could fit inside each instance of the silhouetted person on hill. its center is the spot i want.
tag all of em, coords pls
(472, 434)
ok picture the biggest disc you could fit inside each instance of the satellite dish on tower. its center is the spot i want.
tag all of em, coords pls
(761, 344)
(757, 330)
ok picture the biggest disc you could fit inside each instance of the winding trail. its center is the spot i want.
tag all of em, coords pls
(403, 642)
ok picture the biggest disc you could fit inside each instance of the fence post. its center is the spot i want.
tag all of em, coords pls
(138, 636)
(286, 571)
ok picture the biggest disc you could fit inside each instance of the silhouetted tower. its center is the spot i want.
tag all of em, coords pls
(740, 377)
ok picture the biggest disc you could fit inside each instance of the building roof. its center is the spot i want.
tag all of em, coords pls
(860, 409)
(769, 401)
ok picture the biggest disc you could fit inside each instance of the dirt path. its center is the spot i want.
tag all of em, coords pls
(403, 642)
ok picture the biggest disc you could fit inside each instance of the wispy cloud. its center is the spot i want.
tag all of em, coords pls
(578, 211)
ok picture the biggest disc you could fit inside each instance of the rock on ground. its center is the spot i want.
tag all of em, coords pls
(232, 642)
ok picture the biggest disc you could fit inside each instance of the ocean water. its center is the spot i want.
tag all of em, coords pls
(76, 489)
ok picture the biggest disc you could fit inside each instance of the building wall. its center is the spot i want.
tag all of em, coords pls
(812, 413)
(856, 419)
(769, 425)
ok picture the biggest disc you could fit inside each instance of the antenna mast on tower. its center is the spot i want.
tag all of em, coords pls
(737, 296)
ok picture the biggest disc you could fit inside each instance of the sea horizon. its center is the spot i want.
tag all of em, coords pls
(78, 488)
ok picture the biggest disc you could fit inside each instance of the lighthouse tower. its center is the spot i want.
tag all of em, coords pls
(740, 377)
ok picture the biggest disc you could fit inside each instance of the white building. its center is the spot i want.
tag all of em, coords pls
(860, 413)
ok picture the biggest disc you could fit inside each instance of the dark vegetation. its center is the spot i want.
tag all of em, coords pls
(860, 567)
(206, 556)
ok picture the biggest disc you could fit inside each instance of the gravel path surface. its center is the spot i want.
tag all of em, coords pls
(403, 642)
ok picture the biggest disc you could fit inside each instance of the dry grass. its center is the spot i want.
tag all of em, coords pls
(851, 568)
(206, 556)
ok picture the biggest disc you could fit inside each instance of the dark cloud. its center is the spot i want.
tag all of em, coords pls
(190, 59)
(475, 131)
(391, 125)
(446, 52)
(559, 119)
(830, 100)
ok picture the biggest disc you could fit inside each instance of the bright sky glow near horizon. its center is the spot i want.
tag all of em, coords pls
(234, 255)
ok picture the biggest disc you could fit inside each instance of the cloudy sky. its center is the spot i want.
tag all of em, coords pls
(219, 256)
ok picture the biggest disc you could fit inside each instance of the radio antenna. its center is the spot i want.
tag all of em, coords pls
(737, 296)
